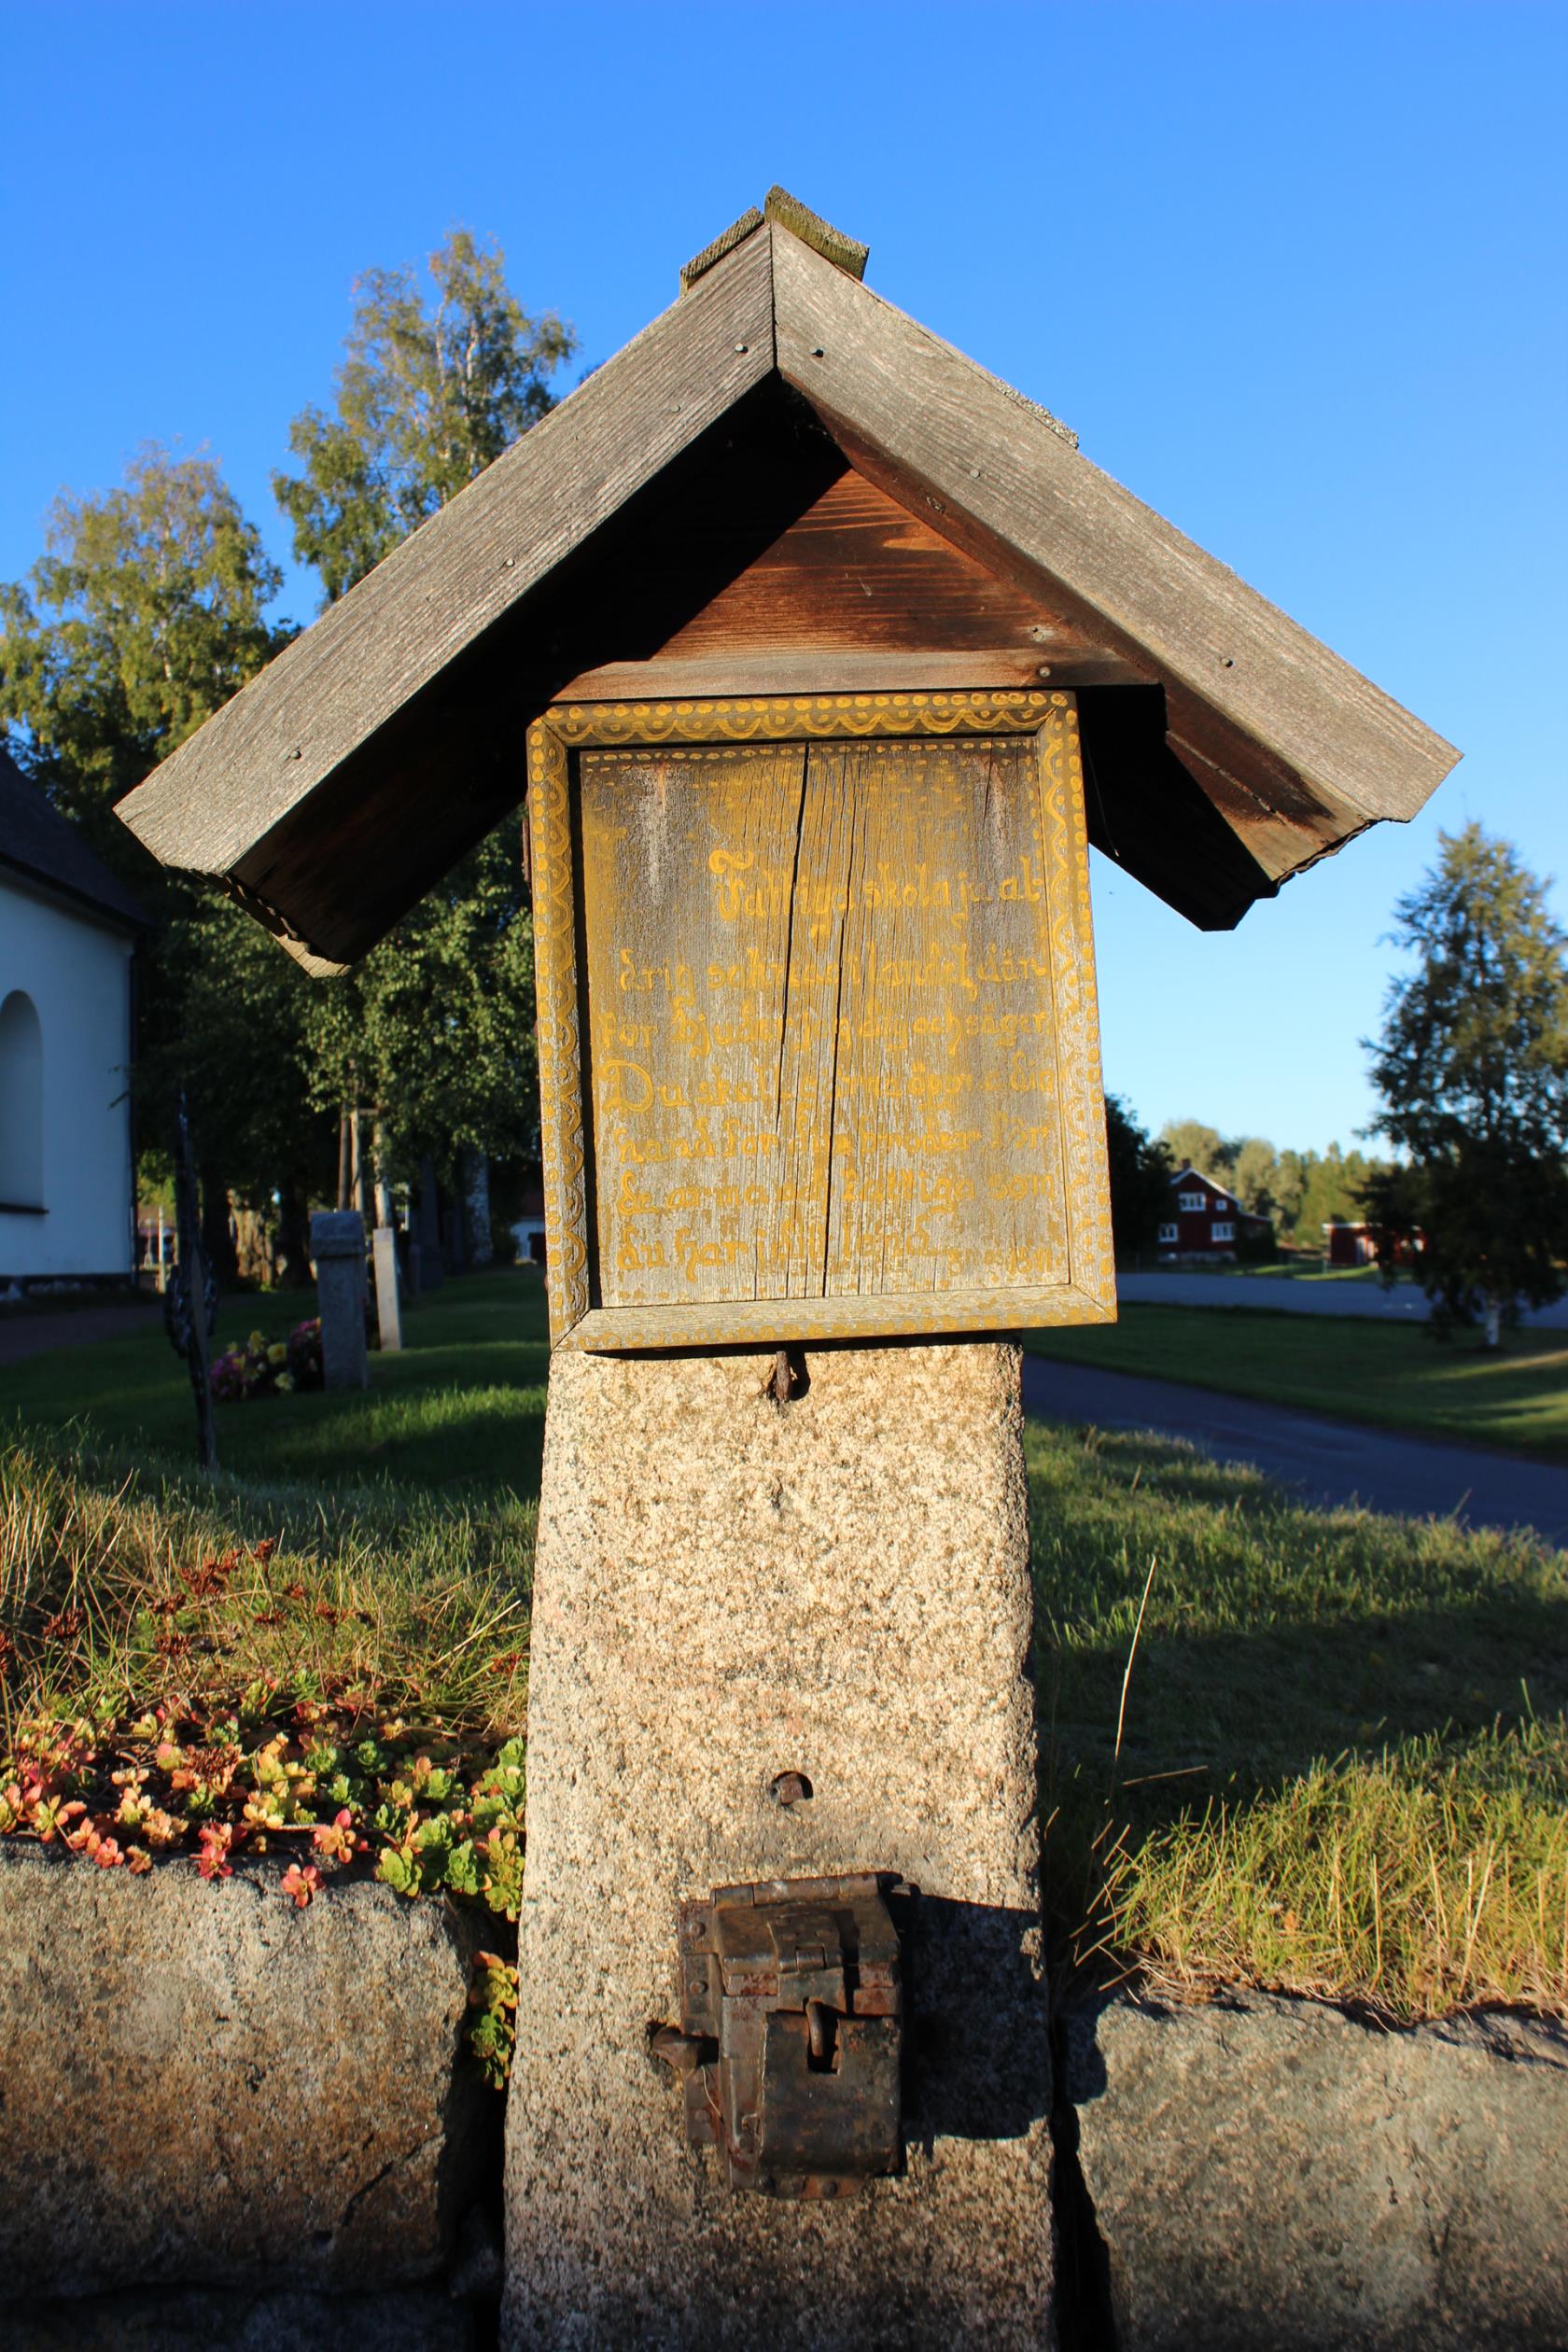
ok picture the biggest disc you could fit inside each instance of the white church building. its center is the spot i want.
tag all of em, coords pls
(67, 930)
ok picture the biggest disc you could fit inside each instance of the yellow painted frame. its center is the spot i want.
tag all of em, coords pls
(576, 1320)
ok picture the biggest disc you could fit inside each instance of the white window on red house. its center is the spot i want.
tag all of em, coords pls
(1172, 1232)
(1221, 1230)
(1221, 1202)
(1191, 1200)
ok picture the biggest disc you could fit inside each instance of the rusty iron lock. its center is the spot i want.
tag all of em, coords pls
(789, 2047)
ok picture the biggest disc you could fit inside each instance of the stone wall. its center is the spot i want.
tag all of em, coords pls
(234, 2126)
(202, 2085)
(1276, 2173)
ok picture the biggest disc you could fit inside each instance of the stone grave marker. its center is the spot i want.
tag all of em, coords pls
(824, 657)
(389, 1315)
(338, 1247)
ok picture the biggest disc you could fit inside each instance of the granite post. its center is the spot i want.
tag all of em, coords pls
(338, 1247)
(384, 1246)
(727, 1590)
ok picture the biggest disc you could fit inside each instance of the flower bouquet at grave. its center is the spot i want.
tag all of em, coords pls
(304, 1353)
(263, 1368)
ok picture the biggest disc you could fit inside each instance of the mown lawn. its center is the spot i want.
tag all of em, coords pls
(462, 1404)
(1392, 1375)
(1323, 1751)
(1326, 1751)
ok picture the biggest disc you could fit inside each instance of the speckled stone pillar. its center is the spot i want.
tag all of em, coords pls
(728, 1588)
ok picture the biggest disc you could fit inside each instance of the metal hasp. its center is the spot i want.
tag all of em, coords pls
(791, 2033)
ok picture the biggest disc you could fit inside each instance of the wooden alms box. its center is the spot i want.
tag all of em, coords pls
(819, 1056)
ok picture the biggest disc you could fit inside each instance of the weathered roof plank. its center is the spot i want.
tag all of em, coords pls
(973, 446)
(208, 804)
(363, 761)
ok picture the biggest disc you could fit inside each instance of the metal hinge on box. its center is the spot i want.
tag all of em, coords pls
(789, 2045)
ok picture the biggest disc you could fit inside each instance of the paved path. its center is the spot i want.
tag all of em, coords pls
(1405, 1303)
(28, 1335)
(1332, 1462)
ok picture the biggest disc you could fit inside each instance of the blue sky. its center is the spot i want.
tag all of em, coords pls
(1295, 273)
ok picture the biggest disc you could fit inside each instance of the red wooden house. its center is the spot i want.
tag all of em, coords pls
(1347, 1243)
(1201, 1221)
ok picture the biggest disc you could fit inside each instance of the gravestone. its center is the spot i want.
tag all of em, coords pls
(338, 1247)
(384, 1246)
(815, 630)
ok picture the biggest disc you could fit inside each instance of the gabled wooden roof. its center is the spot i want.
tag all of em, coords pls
(1225, 748)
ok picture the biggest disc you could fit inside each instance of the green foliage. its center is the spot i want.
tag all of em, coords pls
(1252, 1163)
(144, 615)
(1327, 1187)
(434, 1027)
(229, 1017)
(493, 2030)
(1471, 1067)
(1191, 1144)
(431, 391)
(147, 613)
(1141, 1173)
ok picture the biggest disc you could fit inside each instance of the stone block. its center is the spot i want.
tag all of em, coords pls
(338, 1247)
(1274, 2171)
(200, 2082)
(728, 1588)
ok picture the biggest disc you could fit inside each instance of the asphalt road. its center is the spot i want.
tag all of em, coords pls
(1328, 1461)
(1405, 1303)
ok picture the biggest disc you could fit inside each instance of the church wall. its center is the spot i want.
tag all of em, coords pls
(76, 973)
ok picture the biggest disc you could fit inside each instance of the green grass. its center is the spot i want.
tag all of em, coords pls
(1338, 1762)
(394, 1599)
(1391, 1374)
(1343, 1756)
(461, 1406)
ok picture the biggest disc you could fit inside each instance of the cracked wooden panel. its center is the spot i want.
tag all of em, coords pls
(823, 1022)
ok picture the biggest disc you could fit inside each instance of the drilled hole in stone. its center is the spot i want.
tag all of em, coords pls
(790, 1788)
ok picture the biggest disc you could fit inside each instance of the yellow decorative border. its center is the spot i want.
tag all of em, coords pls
(575, 1321)
(790, 718)
(560, 1047)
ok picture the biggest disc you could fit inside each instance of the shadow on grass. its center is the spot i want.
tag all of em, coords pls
(1244, 1714)
(1262, 1635)
(460, 1409)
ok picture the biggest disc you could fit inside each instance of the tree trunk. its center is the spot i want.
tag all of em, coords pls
(345, 1161)
(428, 1223)
(384, 1215)
(218, 1234)
(193, 1270)
(293, 1241)
(256, 1246)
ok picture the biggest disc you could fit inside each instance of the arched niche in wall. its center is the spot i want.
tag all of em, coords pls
(21, 1103)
